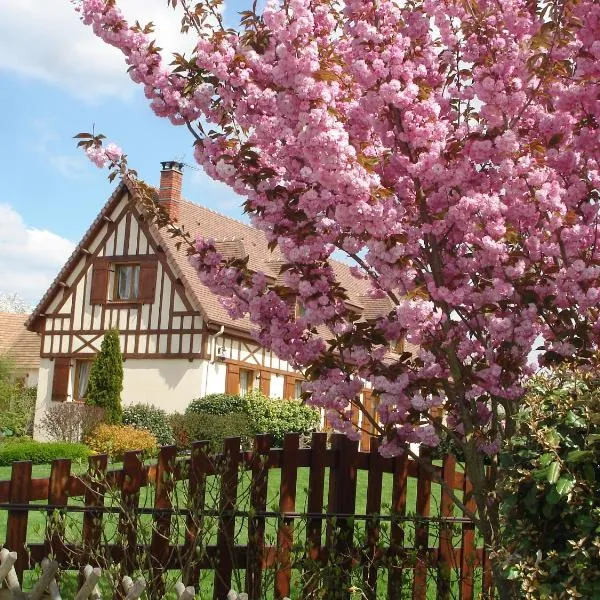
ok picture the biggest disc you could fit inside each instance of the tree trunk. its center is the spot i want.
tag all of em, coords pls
(484, 493)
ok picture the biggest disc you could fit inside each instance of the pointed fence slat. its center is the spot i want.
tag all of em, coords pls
(256, 524)
(128, 520)
(398, 508)
(287, 503)
(16, 527)
(199, 467)
(446, 548)
(372, 528)
(58, 496)
(161, 532)
(422, 526)
(314, 525)
(226, 534)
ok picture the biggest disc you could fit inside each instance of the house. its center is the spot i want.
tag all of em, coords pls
(178, 342)
(20, 346)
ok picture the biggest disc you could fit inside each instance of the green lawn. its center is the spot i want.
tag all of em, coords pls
(37, 520)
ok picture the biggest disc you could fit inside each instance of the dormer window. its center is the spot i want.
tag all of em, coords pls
(127, 282)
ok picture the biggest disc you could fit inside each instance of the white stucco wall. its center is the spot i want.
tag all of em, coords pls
(214, 377)
(44, 394)
(277, 383)
(170, 384)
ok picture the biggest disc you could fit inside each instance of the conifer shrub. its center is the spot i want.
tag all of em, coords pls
(106, 378)
(149, 418)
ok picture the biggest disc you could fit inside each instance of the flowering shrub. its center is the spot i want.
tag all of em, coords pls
(552, 489)
(118, 439)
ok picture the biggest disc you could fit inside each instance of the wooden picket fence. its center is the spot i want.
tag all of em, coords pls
(460, 568)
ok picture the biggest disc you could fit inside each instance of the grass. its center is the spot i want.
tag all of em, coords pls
(37, 521)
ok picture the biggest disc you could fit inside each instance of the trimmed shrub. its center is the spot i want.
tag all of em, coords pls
(150, 418)
(217, 404)
(551, 488)
(118, 439)
(278, 417)
(40, 452)
(212, 428)
(70, 421)
(106, 378)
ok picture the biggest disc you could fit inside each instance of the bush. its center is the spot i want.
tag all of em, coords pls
(149, 418)
(17, 402)
(278, 417)
(70, 421)
(212, 428)
(217, 404)
(106, 378)
(551, 488)
(40, 452)
(118, 439)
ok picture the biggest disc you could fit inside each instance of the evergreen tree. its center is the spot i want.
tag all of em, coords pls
(106, 378)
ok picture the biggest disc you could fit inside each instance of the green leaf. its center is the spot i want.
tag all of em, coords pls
(546, 459)
(553, 472)
(565, 484)
(576, 456)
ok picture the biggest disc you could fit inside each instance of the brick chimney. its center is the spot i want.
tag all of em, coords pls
(169, 194)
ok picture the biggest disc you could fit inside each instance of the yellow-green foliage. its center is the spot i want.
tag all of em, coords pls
(118, 439)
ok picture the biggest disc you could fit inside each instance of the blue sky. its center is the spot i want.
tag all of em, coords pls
(57, 79)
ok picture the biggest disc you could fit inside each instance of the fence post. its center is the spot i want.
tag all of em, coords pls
(342, 500)
(398, 509)
(422, 527)
(372, 529)
(316, 491)
(160, 544)
(57, 496)
(256, 524)
(287, 503)
(94, 498)
(446, 548)
(16, 526)
(226, 534)
(130, 496)
(199, 468)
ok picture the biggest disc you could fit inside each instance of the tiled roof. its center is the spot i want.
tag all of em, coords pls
(22, 346)
(238, 239)
(234, 239)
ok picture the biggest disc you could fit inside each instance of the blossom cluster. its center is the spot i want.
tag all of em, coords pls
(449, 149)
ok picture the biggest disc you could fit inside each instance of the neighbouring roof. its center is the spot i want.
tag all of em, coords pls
(234, 239)
(22, 346)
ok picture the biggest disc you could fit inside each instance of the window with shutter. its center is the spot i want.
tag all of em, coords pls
(99, 287)
(60, 379)
(289, 387)
(265, 383)
(232, 380)
(148, 272)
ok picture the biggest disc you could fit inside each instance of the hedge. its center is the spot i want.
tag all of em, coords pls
(212, 428)
(118, 439)
(40, 452)
(217, 404)
(150, 418)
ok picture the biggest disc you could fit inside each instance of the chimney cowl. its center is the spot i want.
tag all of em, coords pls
(169, 193)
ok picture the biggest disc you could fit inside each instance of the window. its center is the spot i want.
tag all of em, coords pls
(127, 282)
(81, 379)
(246, 381)
(298, 389)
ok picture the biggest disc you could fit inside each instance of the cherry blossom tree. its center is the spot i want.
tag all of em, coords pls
(447, 148)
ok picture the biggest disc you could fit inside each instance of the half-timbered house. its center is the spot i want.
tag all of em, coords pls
(177, 340)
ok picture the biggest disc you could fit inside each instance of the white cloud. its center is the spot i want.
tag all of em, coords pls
(29, 258)
(45, 40)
